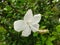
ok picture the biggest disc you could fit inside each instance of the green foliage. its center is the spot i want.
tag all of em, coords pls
(12, 10)
(58, 28)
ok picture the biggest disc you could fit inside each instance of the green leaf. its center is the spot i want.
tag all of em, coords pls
(58, 28)
(43, 27)
(35, 34)
(7, 8)
(13, 0)
(2, 30)
(49, 43)
(2, 43)
(52, 38)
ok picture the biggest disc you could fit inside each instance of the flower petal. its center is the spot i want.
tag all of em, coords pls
(19, 25)
(37, 18)
(35, 27)
(28, 16)
(27, 31)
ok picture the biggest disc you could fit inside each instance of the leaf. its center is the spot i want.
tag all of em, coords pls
(35, 34)
(7, 8)
(2, 30)
(58, 28)
(52, 38)
(49, 43)
(2, 43)
(13, 0)
(43, 27)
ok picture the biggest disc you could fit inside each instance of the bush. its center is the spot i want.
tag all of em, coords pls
(12, 10)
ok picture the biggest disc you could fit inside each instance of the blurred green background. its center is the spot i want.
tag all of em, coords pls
(12, 10)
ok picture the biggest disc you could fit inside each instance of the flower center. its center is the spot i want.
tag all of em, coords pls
(29, 22)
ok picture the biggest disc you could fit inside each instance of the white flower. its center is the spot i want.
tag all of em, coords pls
(28, 24)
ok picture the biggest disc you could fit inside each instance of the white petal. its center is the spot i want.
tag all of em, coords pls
(35, 27)
(27, 31)
(37, 18)
(19, 25)
(28, 16)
